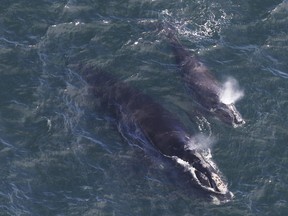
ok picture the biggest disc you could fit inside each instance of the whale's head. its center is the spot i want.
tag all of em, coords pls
(205, 174)
(228, 114)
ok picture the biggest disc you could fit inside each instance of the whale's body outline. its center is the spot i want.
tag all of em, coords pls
(160, 127)
(202, 85)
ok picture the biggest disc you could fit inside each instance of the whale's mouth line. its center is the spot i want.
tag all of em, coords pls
(237, 118)
(209, 180)
(210, 183)
(228, 113)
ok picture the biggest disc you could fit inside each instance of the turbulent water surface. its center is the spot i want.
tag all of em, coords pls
(62, 154)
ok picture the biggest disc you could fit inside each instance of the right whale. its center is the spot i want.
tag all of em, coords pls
(146, 118)
(205, 89)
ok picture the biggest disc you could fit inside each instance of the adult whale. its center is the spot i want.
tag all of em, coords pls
(201, 84)
(159, 127)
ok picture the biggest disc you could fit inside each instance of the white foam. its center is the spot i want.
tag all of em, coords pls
(231, 91)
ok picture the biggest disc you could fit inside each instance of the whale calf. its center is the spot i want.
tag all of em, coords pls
(204, 88)
(160, 128)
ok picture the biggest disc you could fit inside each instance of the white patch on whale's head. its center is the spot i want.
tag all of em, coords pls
(210, 181)
(197, 162)
(231, 91)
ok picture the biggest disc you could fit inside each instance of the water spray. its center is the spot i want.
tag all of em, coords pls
(231, 91)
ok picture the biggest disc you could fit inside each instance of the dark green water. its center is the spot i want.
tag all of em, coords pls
(62, 155)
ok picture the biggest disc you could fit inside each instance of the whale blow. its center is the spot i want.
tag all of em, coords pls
(231, 91)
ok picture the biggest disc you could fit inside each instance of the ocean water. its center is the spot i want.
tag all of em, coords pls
(62, 154)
